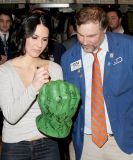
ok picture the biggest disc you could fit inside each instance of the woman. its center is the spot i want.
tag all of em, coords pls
(21, 79)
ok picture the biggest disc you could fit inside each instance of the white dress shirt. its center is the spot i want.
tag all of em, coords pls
(2, 35)
(87, 64)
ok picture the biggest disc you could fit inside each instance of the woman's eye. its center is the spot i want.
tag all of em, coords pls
(45, 39)
(34, 37)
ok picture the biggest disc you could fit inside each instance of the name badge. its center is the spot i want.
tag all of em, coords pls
(75, 65)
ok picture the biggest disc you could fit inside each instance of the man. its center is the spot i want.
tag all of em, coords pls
(114, 17)
(6, 48)
(71, 31)
(95, 137)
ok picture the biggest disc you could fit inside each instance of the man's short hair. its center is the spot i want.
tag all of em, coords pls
(117, 11)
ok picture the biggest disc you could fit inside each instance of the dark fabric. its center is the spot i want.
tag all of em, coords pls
(10, 49)
(42, 149)
(1, 122)
(70, 42)
(58, 50)
(54, 52)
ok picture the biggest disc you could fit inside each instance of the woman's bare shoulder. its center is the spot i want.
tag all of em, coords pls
(16, 61)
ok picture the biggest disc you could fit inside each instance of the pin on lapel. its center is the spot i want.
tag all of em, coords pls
(109, 64)
(111, 55)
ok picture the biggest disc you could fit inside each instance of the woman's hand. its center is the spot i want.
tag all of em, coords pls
(41, 76)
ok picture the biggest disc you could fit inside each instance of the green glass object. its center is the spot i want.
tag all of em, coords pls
(58, 101)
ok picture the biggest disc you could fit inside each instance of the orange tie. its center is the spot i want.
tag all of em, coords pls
(98, 121)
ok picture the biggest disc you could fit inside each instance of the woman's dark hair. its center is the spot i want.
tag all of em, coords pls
(27, 28)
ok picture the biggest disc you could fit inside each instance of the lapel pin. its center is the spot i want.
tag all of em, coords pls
(111, 55)
(109, 64)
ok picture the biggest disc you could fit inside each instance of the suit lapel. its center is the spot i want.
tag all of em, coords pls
(111, 55)
(80, 72)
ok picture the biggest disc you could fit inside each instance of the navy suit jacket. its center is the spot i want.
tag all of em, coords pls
(10, 51)
(117, 87)
(70, 42)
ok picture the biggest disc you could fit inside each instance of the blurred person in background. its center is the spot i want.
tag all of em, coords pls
(114, 17)
(6, 47)
(71, 33)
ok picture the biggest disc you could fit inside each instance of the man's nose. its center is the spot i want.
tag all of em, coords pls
(84, 40)
(4, 24)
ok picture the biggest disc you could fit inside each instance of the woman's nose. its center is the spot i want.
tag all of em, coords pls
(39, 43)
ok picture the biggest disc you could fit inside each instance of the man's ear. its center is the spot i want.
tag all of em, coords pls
(120, 20)
(11, 23)
(105, 30)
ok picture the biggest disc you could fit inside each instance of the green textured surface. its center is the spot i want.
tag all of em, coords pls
(58, 101)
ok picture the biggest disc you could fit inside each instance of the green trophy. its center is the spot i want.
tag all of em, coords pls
(58, 101)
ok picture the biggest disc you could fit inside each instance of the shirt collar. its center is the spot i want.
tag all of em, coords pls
(104, 45)
(121, 30)
(2, 35)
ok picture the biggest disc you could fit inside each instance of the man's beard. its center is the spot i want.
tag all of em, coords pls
(92, 48)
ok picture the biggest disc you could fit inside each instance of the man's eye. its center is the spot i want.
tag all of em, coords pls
(113, 18)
